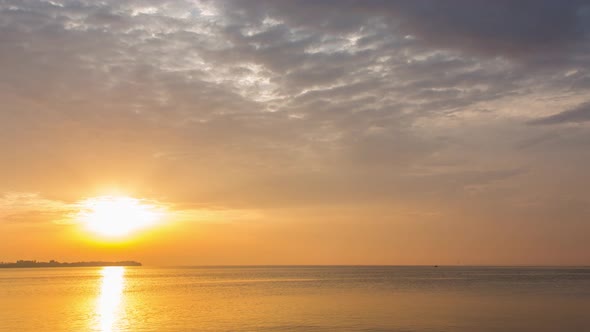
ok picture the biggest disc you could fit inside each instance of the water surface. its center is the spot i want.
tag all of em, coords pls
(295, 299)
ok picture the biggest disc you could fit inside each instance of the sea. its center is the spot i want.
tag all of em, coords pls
(296, 298)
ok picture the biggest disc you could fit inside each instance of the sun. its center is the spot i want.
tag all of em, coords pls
(117, 216)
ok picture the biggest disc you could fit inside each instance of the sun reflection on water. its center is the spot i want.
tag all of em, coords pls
(109, 300)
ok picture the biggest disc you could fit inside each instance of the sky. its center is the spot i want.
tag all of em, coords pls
(300, 131)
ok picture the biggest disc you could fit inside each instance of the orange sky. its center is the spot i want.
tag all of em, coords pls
(298, 132)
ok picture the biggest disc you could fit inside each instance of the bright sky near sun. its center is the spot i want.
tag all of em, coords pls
(295, 132)
(117, 216)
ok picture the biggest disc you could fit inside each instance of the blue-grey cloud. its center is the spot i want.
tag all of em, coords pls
(525, 28)
(578, 114)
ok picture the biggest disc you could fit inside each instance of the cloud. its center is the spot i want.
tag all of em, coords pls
(578, 114)
(527, 28)
(20, 207)
(32, 208)
(201, 100)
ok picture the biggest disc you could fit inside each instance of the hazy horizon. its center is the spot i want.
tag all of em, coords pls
(272, 132)
(303, 265)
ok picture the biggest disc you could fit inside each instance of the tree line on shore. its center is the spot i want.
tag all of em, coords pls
(54, 263)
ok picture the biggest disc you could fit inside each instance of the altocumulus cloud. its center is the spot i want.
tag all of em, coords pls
(298, 102)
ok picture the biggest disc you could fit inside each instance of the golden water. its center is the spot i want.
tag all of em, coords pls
(295, 299)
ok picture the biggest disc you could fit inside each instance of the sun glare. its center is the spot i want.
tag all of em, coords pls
(116, 216)
(111, 293)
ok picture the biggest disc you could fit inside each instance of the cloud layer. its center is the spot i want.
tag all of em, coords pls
(420, 106)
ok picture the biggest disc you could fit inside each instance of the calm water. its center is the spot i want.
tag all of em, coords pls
(295, 299)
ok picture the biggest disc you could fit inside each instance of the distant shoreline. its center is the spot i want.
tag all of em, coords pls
(35, 264)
